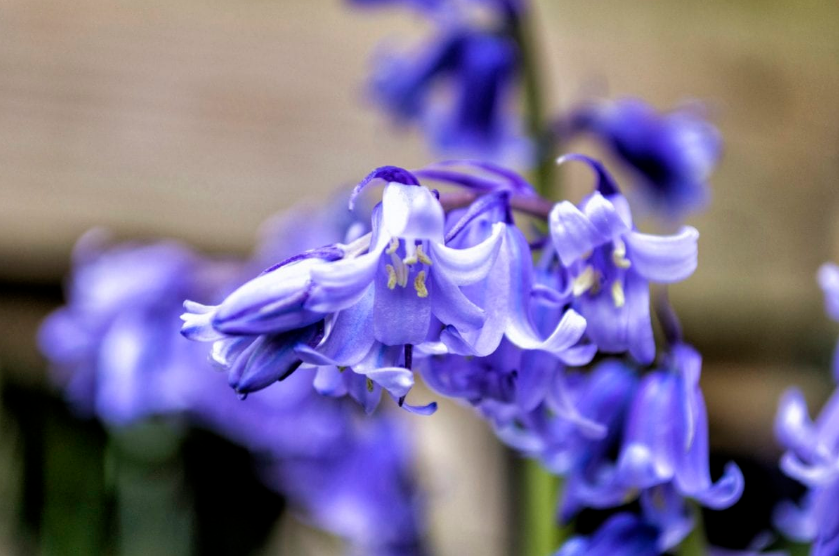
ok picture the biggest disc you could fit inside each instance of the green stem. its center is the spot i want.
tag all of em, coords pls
(535, 114)
(695, 544)
(540, 534)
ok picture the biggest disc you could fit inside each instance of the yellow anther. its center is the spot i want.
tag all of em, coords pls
(619, 255)
(419, 284)
(394, 245)
(391, 276)
(617, 294)
(583, 282)
(423, 258)
(369, 385)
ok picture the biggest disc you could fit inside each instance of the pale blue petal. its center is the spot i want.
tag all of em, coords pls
(664, 259)
(467, 266)
(198, 322)
(396, 380)
(401, 316)
(639, 329)
(573, 233)
(412, 212)
(451, 306)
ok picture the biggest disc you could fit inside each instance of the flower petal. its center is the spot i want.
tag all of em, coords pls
(573, 232)
(469, 265)
(664, 259)
(396, 380)
(412, 212)
(451, 306)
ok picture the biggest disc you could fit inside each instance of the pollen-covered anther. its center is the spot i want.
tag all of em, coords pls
(423, 258)
(369, 385)
(419, 284)
(583, 282)
(619, 255)
(391, 276)
(617, 294)
(394, 245)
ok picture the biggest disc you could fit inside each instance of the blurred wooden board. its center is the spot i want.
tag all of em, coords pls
(200, 118)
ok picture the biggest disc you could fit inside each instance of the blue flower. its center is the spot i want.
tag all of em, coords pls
(671, 155)
(366, 493)
(319, 307)
(111, 348)
(666, 435)
(812, 457)
(477, 71)
(611, 263)
(623, 534)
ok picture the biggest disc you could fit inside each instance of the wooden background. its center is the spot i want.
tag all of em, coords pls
(200, 118)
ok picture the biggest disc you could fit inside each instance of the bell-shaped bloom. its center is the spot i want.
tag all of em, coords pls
(623, 534)
(362, 305)
(666, 435)
(671, 155)
(812, 457)
(366, 493)
(111, 348)
(611, 264)
(459, 88)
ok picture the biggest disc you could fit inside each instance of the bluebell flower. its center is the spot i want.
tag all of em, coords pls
(366, 493)
(319, 307)
(459, 88)
(670, 155)
(812, 457)
(611, 263)
(666, 435)
(111, 348)
(623, 534)
(117, 354)
(655, 436)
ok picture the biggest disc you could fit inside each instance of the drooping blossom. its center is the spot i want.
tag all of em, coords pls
(812, 457)
(670, 155)
(623, 534)
(117, 355)
(611, 264)
(366, 305)
(458, 86)
(403, 273)
(366, 493)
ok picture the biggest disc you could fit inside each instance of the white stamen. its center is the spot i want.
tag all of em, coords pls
(619, 255)
(583, 282)
(617, 294)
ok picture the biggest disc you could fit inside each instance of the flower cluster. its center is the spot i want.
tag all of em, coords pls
(449, 280)
(812, 455)
(116, 353)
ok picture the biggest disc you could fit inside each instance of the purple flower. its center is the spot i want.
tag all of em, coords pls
(365, 493)
(610, 264)
(666, 435)
(477, 71)
(812, 457)
(111, 348)
(671, 155)
(653, 435)
(319, 307)
(623, 534)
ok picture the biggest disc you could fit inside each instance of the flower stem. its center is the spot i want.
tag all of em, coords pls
(540, 535)
(535, 116)
(695, 544)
